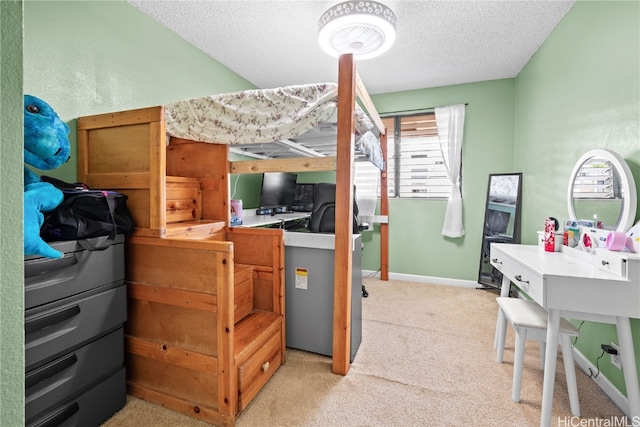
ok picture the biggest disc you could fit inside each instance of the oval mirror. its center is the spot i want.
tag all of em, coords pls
(601, 187)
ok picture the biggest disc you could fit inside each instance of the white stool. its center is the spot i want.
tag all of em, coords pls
(530, 321)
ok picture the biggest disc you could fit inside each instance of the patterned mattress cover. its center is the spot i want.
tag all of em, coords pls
(265, 115)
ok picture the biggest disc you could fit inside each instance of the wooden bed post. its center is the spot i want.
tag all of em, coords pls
(384, 211)
(344, 214)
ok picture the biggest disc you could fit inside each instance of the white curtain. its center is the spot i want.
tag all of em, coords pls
(366, 209)
(367, 182)
(450, 121)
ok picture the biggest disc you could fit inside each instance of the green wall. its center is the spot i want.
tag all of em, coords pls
(83, 58)
(416, 244)
(92, 57)
(580, 91)
(11, 183)
(102, 64)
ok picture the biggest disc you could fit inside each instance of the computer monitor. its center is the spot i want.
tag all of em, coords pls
(278, 189)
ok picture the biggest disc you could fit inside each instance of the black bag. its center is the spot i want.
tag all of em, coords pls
(86, 213)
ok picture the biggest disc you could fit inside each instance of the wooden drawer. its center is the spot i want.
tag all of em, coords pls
(184, 199)
(258, 368)
(243, 291)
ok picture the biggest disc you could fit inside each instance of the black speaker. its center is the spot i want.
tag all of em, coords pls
(304, 197)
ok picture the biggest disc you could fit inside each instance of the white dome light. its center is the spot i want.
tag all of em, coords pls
(364, 28)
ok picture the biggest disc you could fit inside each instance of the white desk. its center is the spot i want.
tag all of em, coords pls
(577, 286)
(250, 219)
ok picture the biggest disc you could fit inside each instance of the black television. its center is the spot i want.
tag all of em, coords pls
(278, 189)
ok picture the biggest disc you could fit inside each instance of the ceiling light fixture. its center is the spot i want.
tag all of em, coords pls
(364, 28)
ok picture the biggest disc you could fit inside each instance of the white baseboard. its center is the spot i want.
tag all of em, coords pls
(607, 387)
(424, 279)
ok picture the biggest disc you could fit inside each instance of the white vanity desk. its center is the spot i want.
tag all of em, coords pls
(603, 288)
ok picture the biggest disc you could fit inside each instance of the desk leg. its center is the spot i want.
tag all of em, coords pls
(550, 360)
(501, 322)
(629, 368)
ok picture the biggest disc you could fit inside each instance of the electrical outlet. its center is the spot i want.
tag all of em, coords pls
(615, 358)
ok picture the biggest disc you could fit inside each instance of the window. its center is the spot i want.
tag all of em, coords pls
(415, 164)
(366, 179)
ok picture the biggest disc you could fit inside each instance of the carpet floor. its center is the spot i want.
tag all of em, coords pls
(426, 359)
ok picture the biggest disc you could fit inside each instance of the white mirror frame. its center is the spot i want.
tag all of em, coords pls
(629, 204)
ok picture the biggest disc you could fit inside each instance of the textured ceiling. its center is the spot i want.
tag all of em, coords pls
(439, 43)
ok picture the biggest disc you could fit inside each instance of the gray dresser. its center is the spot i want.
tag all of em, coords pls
(75, 308)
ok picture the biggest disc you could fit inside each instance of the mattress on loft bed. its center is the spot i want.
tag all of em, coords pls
(264, 116)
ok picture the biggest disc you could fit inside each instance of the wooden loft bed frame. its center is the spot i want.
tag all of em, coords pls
(350, 88)
(179, 198)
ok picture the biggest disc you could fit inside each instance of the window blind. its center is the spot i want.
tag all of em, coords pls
(415, 164)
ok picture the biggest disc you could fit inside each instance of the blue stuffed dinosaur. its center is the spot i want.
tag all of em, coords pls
(46, 146)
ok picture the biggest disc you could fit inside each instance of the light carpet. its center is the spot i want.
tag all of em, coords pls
(426, 359)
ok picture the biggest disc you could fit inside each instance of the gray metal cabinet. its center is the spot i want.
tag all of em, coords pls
(75, 308)
(309, 274)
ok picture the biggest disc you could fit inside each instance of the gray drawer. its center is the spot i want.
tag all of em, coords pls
(57, 328)
(47, 279)
(68, 375)
(90, 408)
